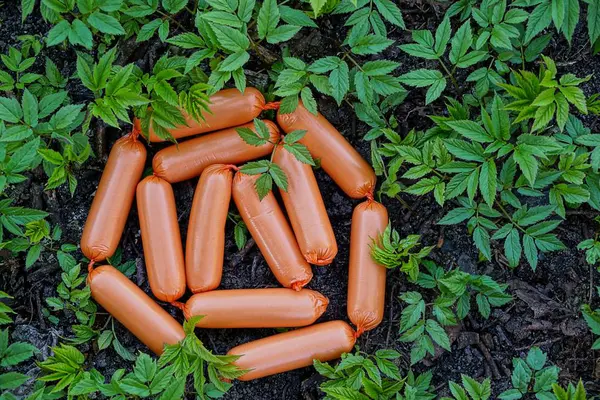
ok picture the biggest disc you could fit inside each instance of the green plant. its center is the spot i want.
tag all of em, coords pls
(240, 231)
(592, 318)
(165, 378)
(267, 170)
(422, 323)
(11, 354)
(570, 393)
(505, 167)
(370, 83)
(391, 251)
(470, 389)
(532, 376)
(363, 376)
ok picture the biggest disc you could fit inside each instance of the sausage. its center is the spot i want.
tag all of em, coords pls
(188, 159)
(306, 210)
(114, 196)
(205, 243)
(366, 279)
(294, 349)
(338, 158)
(133, 308)
(255, 308)
(229, 107)
(161, 238)
(271, 232)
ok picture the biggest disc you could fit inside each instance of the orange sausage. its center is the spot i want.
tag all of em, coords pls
(366, 279)
(338, 158)
(294, 349)
(306, 210)
(228, 108)
(161, 238)
(271, 232)
(112, 202)
(188, 159)
(205, 243)
(256, 308)
(129, 305)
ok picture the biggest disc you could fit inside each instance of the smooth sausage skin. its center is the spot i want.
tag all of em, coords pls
(306, 210)
(205, 245)
(366, 279)
(229, 107)
(133, 308)
(188, 159)
(161, 239)
(294, 349)
(114, 196)
(338, 158)
(256, 308)
(271, 232)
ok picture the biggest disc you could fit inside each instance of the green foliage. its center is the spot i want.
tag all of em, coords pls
(504, 176)
(363, 376)
(470, 389)
(267, 170)
(240, 231)
(570, 393)
(392, 252)
(164, 378)
(422, 323)
(532, 376)
(74, 297)
(592, 318)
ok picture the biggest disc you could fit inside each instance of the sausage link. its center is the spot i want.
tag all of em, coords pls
(271, 232)
(205, 243)
(188, 159)
(294, 349)
(306, 210)
(133, 308)
(161, 238)
(338, 158)
(366, 279)
(255, 308)
(114, 196)
(229, 107)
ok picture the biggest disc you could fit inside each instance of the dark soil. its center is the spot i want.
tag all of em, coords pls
(544, 313)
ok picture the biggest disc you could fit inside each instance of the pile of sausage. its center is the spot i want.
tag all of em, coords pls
(288, 250)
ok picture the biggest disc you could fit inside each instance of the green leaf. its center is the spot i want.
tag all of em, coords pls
(527, 163)
(317, 6)
(371, 44)
(379, 67)
(536, 358)
(539, 19)
(268, 18)
(250, 137)
(530, 250)
(390, 12)
(488, 181)
(279, 177)
(593, 20)
(105, 23)
(282, 33)
(231, 39)
(471, 130)
(465, 150)
(575, 96)
(301, 153)
(234, 61)
(58, 33)
(423, 78)
(30, 108)
(571, 18)
(10, 110)
(222, 18)
(105, 339)
(308, 100)
(12, 380)
(80, 34)
(481, 237)
(461, 42)
(174, 6)
(296, 17)
(438, 334)
(187, 40)
(512, 248)
(339, 80)
(457, 215)
(26, 9)
(263, 185)
(148, 30)
(442, 36)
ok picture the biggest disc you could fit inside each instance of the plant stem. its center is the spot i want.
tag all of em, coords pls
(507, 215)
(450, 75)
